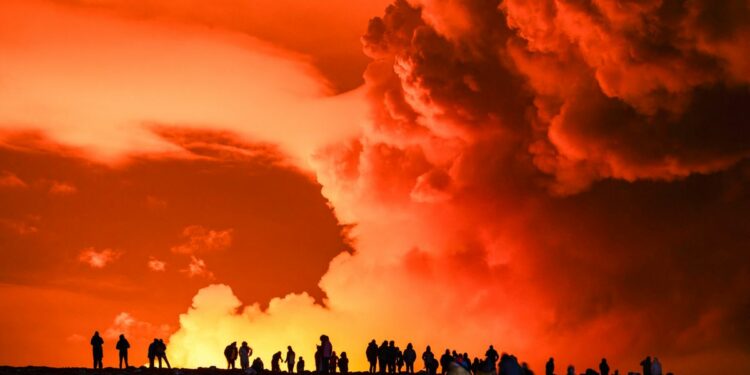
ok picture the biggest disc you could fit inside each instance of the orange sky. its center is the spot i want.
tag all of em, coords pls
(547, 176)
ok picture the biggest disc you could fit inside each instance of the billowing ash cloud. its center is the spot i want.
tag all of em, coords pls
(550, 176)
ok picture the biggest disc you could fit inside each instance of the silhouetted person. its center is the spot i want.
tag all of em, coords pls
(646, 366)
(231, 353)
(318, 357)
(549, 368)
(276, 362)
(122, 347)
(399, 359)
(290, 357)
(301, 365)
(390, 358)
(344, 363)
(656, 367)
(333, 363)
(410, 356)
(509, 365)
(372, 356)
(152, 350)
(491, 356)
(245, 352)
(571, 370)
(475, 365)
(445, 360)
(257, 365)
(465, 362)
(97, 347)
(430, 364)
(161, 353)
(604, 367)
(326, 351)
(383, 357)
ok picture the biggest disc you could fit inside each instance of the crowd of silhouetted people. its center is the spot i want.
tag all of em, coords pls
(157, 350)
(384, 358)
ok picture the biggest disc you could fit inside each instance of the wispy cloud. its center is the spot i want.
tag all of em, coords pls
(98, 259)
(197, 268)
(201, 239)
(156, 265)
(8, 179)
(126, 324)
(62, 188)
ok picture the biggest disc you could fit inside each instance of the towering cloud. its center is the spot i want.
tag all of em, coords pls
(538, 174)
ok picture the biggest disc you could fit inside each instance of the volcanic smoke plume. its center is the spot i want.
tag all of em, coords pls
(562, 178)
(548, 176)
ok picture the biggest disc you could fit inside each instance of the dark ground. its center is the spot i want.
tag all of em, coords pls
(6, 370)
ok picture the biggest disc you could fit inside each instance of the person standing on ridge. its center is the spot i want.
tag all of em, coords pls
(245, 352)
(383, 357)
(409, 357)
(301, 365)
(97, 346)
(290, 357)
(334, 363)
(604, 367)
(152, 349)
(646, 365)
(276, 362)
(391, 357)
(230, 353)
(492, 356)
(428, 357)
(344, 363)
(161, 353)
(549, 368)
(372, 356)
(326, 351)
(122, 347)
(445, 361)
(656, 367)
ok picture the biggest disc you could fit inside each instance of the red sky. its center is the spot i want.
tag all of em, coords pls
(559, 178)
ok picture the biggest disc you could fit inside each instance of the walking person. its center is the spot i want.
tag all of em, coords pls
(97, 346)
(122, 347)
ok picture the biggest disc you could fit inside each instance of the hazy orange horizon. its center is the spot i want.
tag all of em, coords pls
(554, 177)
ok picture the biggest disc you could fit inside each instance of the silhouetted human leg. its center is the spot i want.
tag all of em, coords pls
(159, 361)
